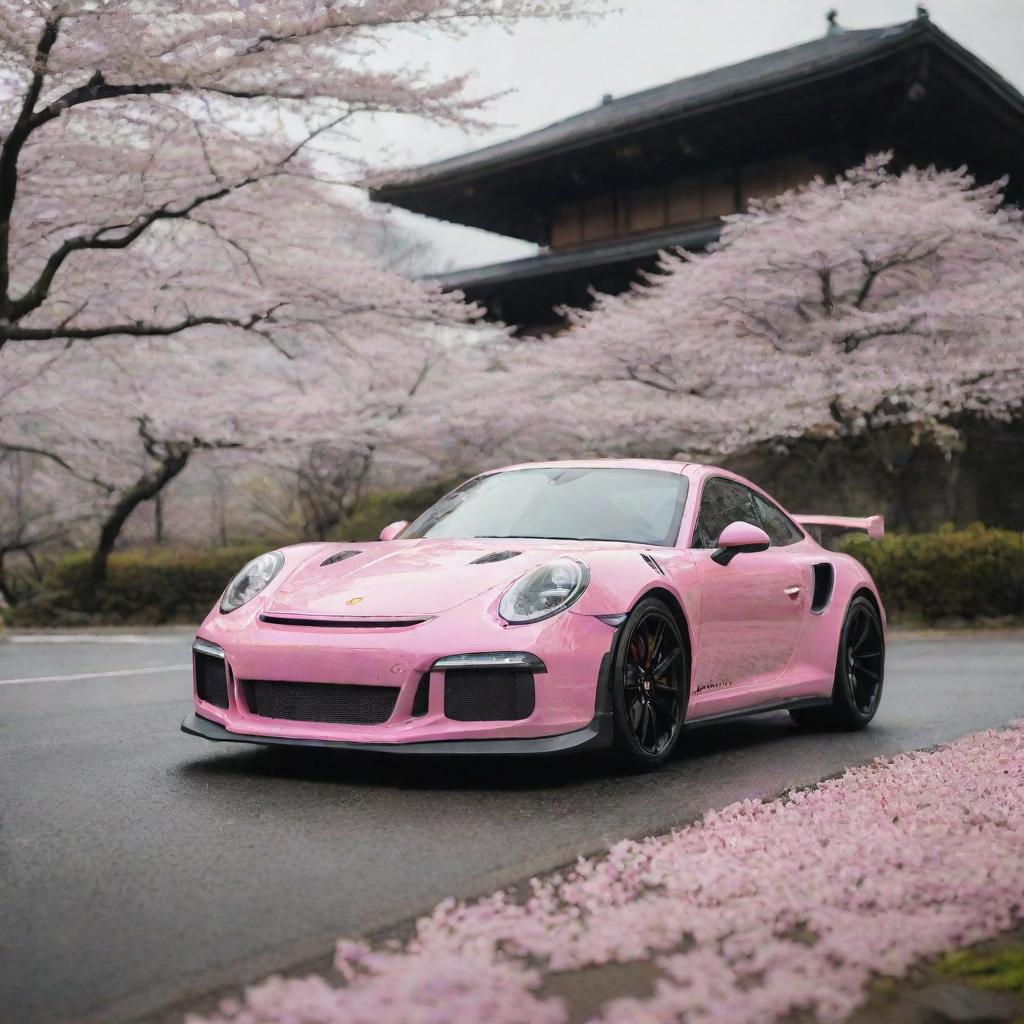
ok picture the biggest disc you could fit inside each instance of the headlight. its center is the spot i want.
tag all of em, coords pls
(545, 591)
(251, 580)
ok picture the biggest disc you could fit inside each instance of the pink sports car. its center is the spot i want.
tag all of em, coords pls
(543, 608)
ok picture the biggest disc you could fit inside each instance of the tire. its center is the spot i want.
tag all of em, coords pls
(649, 708)
(860, 669)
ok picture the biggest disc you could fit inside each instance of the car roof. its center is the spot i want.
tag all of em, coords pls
(666, 465)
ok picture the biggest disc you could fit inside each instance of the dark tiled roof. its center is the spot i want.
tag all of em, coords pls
(600, 254)
(698, 92)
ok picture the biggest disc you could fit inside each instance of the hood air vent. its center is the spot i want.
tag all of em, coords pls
(652, 562)
(339, 556)
(495, 556)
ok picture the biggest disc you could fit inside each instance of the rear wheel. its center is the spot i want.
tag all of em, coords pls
(650, 686)
(860, 667)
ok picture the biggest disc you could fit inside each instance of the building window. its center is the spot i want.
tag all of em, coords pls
(768, 178)
(566, 226)
(719, 195)
(645, 209)
(685, 201)
(598, 218)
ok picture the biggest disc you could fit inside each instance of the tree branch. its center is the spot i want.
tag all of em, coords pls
(134, 328)
(44, 453)
(37, 294)
(12, 150)
(98, 88)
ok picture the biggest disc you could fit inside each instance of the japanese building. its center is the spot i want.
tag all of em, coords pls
(604, 191)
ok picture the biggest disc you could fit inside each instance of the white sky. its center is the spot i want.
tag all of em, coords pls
(555, 69)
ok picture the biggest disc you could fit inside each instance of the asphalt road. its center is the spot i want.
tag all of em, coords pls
(139, 865)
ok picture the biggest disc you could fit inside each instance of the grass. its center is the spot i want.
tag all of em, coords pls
(996, 970)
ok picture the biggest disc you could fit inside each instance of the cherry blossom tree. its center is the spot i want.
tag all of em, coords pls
(183, 272)
(121, 423)
(839, 308)
(142, 145)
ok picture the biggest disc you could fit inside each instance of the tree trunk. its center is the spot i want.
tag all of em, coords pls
(158, 520)
(145, 488)
(6, 590)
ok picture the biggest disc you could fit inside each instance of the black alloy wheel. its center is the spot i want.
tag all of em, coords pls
(650, 685)
(860, 669)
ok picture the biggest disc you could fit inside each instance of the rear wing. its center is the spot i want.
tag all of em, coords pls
(873, 526)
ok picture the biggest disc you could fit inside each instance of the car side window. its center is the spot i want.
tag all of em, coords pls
(721, 503)
(780, 528)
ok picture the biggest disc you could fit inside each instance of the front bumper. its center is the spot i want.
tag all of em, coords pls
(596, 735)
(569, 681)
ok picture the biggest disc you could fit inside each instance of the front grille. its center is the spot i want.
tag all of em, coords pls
(341, 703)
(347, 623)
(211, 679)
(488, 695)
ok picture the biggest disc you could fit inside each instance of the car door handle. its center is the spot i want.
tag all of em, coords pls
(791, 591)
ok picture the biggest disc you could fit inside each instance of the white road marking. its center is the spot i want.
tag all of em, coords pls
(96, 638)
(148, 670)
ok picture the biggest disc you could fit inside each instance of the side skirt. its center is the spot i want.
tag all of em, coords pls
(793, 704)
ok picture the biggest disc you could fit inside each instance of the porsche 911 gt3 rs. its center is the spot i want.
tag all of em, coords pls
(548, 607)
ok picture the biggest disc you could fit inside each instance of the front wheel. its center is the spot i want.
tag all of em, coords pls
(860, 666)
(650, 686)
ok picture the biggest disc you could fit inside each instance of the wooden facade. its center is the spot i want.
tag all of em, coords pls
(682, 202)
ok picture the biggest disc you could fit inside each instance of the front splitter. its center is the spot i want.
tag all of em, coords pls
(593, 736)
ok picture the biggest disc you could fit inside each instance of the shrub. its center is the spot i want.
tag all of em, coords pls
(166, 585)
(977, 572)
(142, 586)
(377, 510)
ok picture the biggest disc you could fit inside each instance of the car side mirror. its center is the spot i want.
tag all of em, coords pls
(739, 538)
(392, 530)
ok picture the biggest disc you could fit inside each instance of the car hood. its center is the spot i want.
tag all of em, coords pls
(410, 577)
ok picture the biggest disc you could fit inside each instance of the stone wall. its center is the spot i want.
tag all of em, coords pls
(916, 486)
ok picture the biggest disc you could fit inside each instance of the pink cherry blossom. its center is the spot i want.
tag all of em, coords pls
(176, 206)
(752, 913)
(835, 309)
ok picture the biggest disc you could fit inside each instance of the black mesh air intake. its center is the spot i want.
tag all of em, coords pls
(421, 699)
(488, 694)
(340, 703)
(211, 679)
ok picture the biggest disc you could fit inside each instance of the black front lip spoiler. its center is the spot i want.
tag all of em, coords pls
(593, 736)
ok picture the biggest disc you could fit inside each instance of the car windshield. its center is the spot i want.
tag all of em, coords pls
(640, 506)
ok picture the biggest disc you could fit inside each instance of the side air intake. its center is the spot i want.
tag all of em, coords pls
(824, 579)
(495, 556)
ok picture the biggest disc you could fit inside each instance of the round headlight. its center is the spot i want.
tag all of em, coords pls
(545, 591)
(251, 580)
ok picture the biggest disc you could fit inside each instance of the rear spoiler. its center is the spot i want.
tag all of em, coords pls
(873, 526)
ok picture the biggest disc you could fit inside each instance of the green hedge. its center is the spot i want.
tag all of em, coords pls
(167, 585)
(142, 586)
(970, 574)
